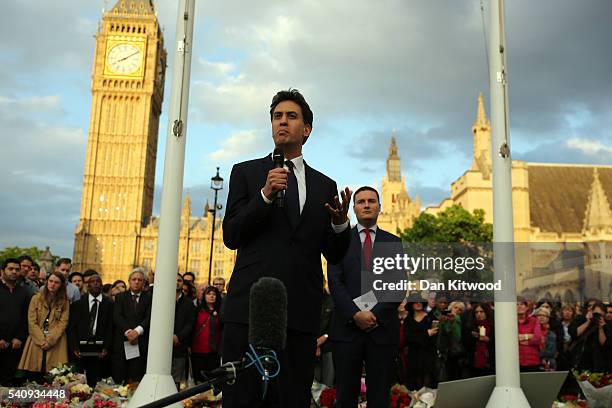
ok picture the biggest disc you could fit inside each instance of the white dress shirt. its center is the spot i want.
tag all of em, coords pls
(362, 235)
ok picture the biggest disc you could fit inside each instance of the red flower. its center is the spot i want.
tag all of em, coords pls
(569, 397)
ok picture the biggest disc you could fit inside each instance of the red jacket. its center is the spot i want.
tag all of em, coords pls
(201, 333)
(529, 354)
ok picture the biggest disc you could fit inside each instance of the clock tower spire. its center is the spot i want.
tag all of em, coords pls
(119, 176)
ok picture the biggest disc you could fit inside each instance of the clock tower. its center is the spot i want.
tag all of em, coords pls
(127, 92)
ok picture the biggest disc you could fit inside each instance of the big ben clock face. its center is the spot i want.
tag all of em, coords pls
(124, 59)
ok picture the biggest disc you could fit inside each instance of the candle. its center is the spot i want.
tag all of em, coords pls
(482, 331)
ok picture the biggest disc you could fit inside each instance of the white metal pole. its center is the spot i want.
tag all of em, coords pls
(158, 382)
(507, 392)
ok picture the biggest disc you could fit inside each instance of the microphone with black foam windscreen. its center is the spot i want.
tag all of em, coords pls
(268, 314)
(267, 332)
(278, 158)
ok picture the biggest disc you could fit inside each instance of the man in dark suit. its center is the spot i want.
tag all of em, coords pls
(284, 243)
(363, 336)
(184, 321)
(131, 318)
(91, 320)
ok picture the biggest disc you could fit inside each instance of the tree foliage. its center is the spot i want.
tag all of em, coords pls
(16, 252)
(453, 233)
(455, 224)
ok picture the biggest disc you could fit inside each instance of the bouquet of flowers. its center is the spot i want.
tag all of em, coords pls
(64, 376)
(99, 400)
(570, 401)
(596, 387)
(49, 404)
(80, 392)
(423, 398)
(328, 398)
(400, 396)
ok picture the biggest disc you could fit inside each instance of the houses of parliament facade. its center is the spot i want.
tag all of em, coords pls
(563, 208)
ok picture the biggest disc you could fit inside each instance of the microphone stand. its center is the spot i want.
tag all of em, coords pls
(221, 378)
(265, 363)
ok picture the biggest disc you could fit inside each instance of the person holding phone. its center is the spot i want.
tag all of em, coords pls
(592, 345)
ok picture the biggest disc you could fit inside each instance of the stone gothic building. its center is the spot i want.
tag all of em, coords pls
(562, 219)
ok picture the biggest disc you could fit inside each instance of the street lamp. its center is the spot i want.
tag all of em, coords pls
(216, 183)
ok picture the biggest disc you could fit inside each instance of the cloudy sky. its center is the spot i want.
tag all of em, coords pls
(366, 67)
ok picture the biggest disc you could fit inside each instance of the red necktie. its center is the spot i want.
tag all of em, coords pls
(367, 249)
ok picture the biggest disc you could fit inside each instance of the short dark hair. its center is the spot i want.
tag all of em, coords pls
(190, 274)
(8, 261)
(73, 274)
(63, 261)
(89, 272)
(295, 96)
(365, 188)
(25, 257)
(36, 266)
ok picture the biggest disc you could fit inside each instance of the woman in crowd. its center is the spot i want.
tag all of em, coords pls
(592, 348)
(529, 338)
(118, 287)
(420, 331)
(554, 323)
(450, 336)
(479, 342)
(548, 340)
(47, 346)
(206, 343)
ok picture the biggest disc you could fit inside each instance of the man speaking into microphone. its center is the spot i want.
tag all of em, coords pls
(281, 215)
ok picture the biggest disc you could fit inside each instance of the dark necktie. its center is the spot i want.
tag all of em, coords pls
(292, 195)
(367, 249)
(135, 301)
(92, 317)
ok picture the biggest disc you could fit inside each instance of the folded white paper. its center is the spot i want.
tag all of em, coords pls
(131, 350)
(367, 301)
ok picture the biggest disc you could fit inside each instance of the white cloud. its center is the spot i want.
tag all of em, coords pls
(589, 146)
(241, 144)
(39, 103)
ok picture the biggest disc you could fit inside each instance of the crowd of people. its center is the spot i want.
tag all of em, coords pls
(444, 339)
(102, 329)
(72, 317)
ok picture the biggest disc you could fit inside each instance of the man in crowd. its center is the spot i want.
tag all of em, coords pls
(219, 283)
(184, 320)
(131, 319)
(25, 267)
(86, 275)
(14, 301)
(63, 266)
(91, 321)
(76, 278)
(361, 335)
(189, 277)
(285, 243)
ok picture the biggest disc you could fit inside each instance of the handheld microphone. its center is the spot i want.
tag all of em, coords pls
(278, 158)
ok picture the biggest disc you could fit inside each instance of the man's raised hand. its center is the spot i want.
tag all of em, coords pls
(339, 212)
